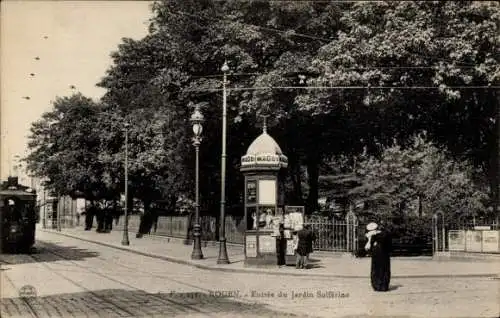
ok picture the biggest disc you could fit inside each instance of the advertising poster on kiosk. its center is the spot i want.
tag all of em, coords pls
(293, 218)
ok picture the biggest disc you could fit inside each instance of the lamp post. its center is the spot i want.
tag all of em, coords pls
(59, 211)
(223, 259)
(125, 240)
(44, 220)
(196, 120)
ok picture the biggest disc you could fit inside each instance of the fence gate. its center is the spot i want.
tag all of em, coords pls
(338, 235)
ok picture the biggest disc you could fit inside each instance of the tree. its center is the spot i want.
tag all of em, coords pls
(394, 44)
(156, 144)
(64, 146)
(417, 181)
(412, 45)
(267, 43)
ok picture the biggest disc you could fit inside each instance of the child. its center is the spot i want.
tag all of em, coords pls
(300, 244)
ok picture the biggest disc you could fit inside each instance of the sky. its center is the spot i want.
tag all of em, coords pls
(72, 41)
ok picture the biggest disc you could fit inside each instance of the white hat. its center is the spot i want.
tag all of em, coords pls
(298, 228)
(371, 226)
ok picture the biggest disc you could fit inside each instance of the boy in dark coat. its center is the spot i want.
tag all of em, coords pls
(311, 237)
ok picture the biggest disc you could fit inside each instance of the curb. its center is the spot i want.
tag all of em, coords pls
(255, 271)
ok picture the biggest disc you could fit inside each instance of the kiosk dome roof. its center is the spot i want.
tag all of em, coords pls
(264, 144)
(264, 154)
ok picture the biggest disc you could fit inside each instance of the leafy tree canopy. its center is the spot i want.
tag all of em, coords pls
(64, 145)
(419, 179)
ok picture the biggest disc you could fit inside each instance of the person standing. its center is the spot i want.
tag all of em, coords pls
(379, 246)
(301, 250)
(311, 237)
(89, 216)
(281, 246)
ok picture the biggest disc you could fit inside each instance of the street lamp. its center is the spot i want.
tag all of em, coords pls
(44, 220)
(125, 240)
(197, 120)
(223, 259)
(59, 211)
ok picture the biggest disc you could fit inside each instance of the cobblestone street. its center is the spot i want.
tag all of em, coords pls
(74, 278)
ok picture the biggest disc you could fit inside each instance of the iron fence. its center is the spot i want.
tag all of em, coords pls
(337, 235)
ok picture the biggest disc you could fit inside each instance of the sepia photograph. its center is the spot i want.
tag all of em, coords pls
(249, 158)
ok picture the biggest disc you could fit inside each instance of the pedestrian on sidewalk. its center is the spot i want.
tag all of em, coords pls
(379, 246)
(108, 220)
(310, 238)
(301, 247)
(89, 217)
(281, 245)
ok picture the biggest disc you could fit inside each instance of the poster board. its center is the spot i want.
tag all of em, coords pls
(289, 247)
(490, 241)
(267, 244)
(456, 240)
(473, 241)
(80, 205)
(267, 192)
(251, 246)
(294, 216)
(251, 191)
(276, 221)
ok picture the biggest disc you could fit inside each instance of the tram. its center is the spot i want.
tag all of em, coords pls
(18, 216)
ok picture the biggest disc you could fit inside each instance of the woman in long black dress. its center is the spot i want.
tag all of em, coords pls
(379, 245)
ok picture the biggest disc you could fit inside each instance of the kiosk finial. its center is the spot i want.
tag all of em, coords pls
(264, 126)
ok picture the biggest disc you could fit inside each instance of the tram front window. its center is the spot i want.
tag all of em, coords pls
(13, 210)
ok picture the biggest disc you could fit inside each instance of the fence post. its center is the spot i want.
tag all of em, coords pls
(434, 240)
(170, 225)
(444, 237)
(351, 224)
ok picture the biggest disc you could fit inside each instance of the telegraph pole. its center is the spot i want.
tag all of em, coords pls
(223, 258)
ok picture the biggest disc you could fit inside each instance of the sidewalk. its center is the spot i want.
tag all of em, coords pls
(324, 264)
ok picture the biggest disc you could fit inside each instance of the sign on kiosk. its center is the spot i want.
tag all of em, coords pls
(294, 216)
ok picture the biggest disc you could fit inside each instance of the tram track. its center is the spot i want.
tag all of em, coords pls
(147, 273)
(63, 262)
(56, 272)
(24, 299)
(88, 269)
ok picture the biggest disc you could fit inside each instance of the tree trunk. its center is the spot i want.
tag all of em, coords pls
(172, 203)
(493, 173)
(497, 159)
(313, 176)
(295, 175)
(419, 206)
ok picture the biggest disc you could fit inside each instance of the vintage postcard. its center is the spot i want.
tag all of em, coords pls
(249, 158)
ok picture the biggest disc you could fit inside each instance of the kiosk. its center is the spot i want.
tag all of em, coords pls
(263, 167)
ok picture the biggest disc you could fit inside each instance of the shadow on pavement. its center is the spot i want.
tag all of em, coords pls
(314, 260)
(47, 252)
(311, 266)
(394, 287)
(134, 303)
